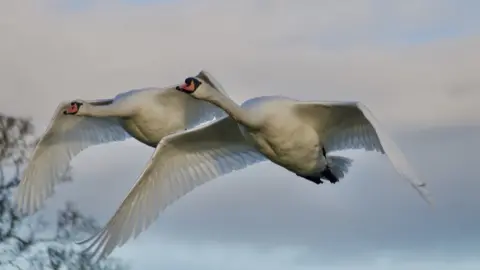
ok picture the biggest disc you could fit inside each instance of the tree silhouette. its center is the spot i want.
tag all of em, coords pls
(30, 242)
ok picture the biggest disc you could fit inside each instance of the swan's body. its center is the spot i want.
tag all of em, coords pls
(296, 146)
(158, 112)
(147, 115)
(293, 134)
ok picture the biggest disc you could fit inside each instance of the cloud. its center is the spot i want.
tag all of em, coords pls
(213, 256)
(413, 62)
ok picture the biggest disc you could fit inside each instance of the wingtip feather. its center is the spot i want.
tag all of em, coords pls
(425, 193)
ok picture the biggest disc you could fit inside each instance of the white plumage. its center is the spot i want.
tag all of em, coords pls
(147, 115)
(287, 132)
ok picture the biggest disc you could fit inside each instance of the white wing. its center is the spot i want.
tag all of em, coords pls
(66, 136)
(180, 163)
(351, 125)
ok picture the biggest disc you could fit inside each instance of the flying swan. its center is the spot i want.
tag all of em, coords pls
(294, 134)
(147, 114)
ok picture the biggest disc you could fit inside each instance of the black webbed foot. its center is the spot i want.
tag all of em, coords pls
(327, 174)
(315, 179)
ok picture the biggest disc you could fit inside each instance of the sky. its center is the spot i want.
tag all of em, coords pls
(413, 63)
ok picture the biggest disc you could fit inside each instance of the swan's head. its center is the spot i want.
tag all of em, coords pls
(190, 85)
(77, 107)
(197, 88)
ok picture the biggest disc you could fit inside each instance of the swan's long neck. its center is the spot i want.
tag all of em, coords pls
(239, 114)
(110, 110)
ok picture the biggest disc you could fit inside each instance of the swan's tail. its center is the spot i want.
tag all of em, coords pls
(339, 165)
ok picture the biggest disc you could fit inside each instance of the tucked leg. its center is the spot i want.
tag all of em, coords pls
(315, 179)
(327, 172)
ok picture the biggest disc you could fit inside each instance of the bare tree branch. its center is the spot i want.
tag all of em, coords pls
(24, 241)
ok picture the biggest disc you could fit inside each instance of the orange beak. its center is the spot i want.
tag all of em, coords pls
(188, 87)
(72, 109)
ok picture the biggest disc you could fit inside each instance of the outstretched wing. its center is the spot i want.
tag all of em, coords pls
(65, 137)
(351, 125)
(180, 163)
